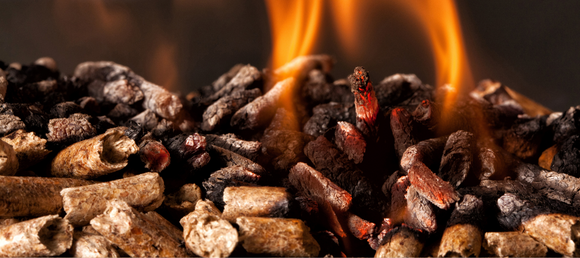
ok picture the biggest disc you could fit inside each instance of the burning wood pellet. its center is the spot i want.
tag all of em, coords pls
(10, 123)
(245, 77)
(206, 234)
(402, 128)
(513, 244)
(432, 187)
(464, 231)
(230, 159)
(457, 158)
(259, 112)
(336, 166)
(122, 91)
(30, 149)
(554, 185)
(248, 149)
(365, 101)
(255, 201)
(395, 89)
(567, 158)
(32, 115)
(428, 152)
(564, 126)
(188, 151)
(130, 230)
(523, 139)
(33, 196)
(64, 109)
(315, 185)
(8, 159)
(318, 90)
(65, 131)
(122, 112)
(420, 213)
(148, 119)
(221, 111)
(91, 245)
(358, 227)
(401, 242)
(44, 236)
(286, 147)
(277, 237)
(144, 192)
(226, 177)
(153, 154)
(326, 116)
(493, 162)
(223, 79)
(97, 156)
(350, 140)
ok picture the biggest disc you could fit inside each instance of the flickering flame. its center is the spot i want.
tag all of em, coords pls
(294, 27)
(163, 68)
(440, 20)
(345, 15)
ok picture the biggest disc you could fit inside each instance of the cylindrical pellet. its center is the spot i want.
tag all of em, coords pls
(130, 230)
(45, 236)
(277, 237)
(255, 201)
(94, 157)
(144, 192)
(33, 196)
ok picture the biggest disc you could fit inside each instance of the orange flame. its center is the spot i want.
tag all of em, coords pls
(294, 26)
(163, 69)
(345, 14)
(441, 22)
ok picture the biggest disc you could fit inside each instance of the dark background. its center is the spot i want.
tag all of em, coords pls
(532, 46)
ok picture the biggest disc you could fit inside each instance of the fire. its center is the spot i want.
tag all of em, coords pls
(345, 14)
(163, 69)
(441, 23)
(294, 27)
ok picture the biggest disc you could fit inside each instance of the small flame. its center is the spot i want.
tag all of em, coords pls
(294, 27)
(345, 14)
(441, 22)
(163, 68)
